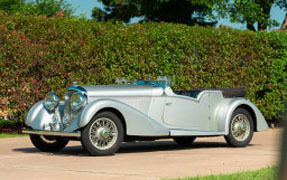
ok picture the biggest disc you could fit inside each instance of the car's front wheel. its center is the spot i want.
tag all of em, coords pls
(241, 128)
(48, 143)
(103, 135)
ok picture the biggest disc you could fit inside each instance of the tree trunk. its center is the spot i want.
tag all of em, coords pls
(250, 26)
(284, 23)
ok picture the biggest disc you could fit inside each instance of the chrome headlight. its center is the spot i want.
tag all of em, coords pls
(51, 101)
(77, 101)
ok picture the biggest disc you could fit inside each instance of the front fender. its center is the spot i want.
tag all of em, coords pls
(38, 117)
(137, 123)
(227, 108)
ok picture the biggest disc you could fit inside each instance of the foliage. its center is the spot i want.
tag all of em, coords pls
(11, 5)
(11, 135)
(37, 7)
(269, 173)
(10, 126)
(250, 12)
(39, 54)
(178, 11)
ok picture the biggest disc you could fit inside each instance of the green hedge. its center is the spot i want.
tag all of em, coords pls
(39, 54)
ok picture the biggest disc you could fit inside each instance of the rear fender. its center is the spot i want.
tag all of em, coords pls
(226, 109)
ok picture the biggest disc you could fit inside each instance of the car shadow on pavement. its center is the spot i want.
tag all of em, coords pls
(134, 147)
(137, 147)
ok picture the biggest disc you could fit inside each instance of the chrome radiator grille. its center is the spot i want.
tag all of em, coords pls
(68, 115)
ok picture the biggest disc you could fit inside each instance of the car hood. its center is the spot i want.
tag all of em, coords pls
(122, 90)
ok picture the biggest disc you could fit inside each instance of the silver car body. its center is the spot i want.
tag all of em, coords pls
(146, 110)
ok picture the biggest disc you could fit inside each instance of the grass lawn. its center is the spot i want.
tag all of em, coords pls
(6, 135)
(261, 174)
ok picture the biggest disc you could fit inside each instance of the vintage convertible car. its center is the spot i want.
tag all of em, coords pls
(102, 117)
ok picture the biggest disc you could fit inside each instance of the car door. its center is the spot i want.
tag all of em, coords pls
(183, 112)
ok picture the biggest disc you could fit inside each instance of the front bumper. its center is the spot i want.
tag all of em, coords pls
(51, 133)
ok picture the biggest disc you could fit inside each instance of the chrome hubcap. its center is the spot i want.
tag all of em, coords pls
(240, 127)
(103, 133)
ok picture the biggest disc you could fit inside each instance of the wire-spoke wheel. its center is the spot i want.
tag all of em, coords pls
(240, 129)
(103, 135)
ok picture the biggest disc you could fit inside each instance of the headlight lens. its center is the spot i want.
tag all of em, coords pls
(77, 101)
(51, 101)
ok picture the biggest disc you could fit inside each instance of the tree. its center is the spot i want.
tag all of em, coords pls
(11, 6)
(251, 12)
(178, 11)
(49, 7)
(37, 7)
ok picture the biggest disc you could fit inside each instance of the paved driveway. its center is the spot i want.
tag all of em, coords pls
(143, 160)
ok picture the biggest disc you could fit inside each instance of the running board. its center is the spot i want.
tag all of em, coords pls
(194, 133)
(51, 133)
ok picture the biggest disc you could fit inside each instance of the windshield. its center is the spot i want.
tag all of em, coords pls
(161, 81)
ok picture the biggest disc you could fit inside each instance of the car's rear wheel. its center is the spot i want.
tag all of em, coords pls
(48, 143)
(103, 135)
(241, 128)
(184, 140)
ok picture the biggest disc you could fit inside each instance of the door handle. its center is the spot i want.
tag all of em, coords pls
(168, 104)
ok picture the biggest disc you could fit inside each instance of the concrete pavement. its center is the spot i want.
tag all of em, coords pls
(142, 160)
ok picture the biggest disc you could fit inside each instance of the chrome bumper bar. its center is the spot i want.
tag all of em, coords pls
(50, 133)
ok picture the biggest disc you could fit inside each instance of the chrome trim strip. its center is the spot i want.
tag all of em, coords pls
(78, 89)
(50, 133)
